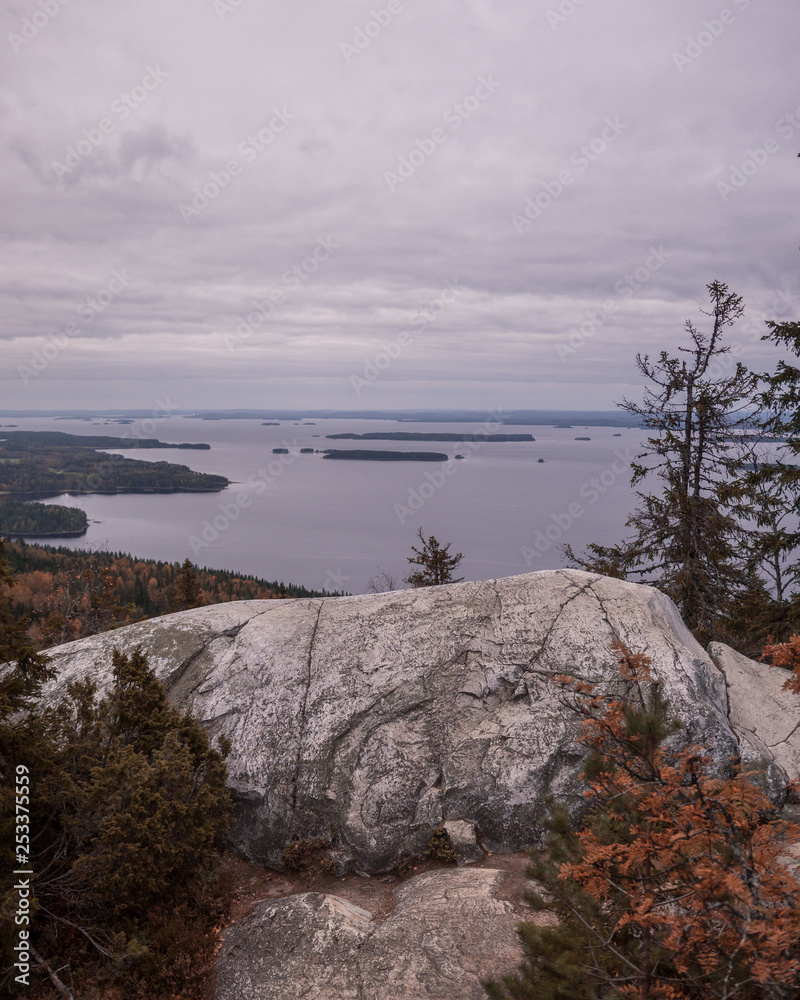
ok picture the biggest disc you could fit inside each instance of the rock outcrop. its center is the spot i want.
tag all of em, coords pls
(370, 719)
(765, 718)
(446, 933)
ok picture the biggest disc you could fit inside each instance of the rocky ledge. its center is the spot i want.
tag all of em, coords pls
(446, 933)
(368, 720)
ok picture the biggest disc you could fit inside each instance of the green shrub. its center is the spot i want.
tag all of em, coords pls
(439, 847)
(130, 803)
(305, 857)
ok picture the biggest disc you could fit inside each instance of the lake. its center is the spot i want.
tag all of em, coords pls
(334, 524)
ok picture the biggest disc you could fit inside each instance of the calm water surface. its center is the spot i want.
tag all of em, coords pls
(334, 524)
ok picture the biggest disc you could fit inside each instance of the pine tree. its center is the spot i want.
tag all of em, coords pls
(437, 565)
(673, 889)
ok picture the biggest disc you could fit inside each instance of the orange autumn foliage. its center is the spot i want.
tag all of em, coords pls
(787, 655)
(675, 888)
(699, 871)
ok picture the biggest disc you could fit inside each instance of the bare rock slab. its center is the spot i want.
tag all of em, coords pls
(369, 720)
(304, 946)
(765, 718)
(446, 933)
(464, 838)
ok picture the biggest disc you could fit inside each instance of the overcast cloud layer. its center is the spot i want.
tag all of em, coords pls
(415, 204)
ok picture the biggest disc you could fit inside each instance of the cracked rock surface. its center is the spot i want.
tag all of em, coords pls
(446, 933)
(369, 719)
(764, 716)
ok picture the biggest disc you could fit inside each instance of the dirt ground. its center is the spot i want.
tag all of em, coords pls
(254, 883)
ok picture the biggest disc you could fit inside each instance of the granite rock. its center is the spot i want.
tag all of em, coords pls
(369, 720)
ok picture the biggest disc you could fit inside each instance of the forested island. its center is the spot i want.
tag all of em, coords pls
(427, 436)
(365, 455)
(35, 465)
(42, 520)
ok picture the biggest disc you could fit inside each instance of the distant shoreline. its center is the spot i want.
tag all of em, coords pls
(543, 417)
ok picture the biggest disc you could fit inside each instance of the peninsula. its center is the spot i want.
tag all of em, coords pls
(35, 465)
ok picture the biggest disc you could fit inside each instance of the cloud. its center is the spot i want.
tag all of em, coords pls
(292, 143)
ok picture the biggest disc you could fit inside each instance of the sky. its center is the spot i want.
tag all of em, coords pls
(387, 204)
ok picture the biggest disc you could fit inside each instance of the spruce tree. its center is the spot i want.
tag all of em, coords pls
(687, 540)
(186, 592)
(436, 564)
(774, 483)
(765, 496)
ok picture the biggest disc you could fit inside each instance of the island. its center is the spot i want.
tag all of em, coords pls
(41, 520)
(364, 455)
(35, 465)
(427, 436)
